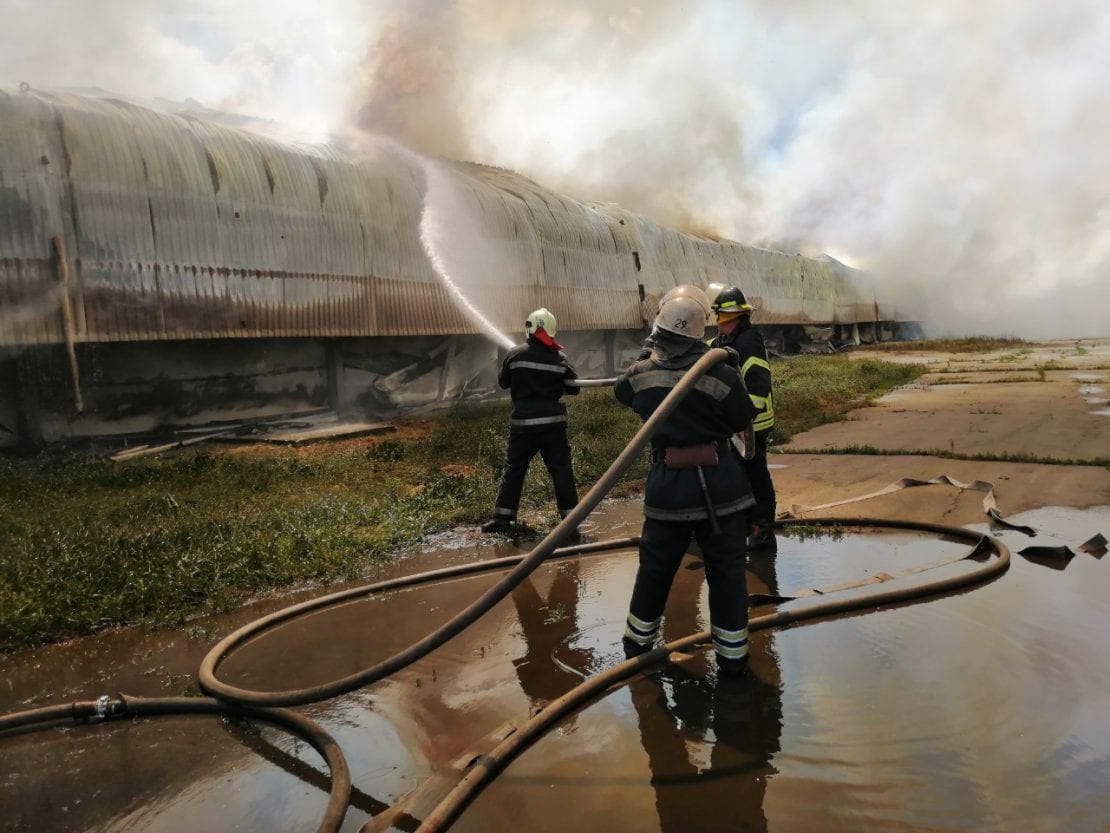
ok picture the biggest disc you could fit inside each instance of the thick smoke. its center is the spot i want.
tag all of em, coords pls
(291, 62)
(957, 150)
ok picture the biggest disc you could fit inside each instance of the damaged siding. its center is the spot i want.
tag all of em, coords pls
(179, 228)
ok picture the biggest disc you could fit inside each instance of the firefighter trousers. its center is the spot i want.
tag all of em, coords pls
(763, 489)
(551, 444)
(662, 545)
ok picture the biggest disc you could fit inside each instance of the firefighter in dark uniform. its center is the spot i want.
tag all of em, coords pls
(695, 488)
(537, 374)
(735, 330)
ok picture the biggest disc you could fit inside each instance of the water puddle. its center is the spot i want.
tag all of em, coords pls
(897, 720)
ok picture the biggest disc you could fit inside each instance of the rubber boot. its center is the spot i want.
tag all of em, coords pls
(572, 537)
(634, 649)
(732, 669)
(499, 525)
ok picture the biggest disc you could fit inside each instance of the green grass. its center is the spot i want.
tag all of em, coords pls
(961, 380)
(87, 544)
(970, 344)
(990, 457)
(812, 390)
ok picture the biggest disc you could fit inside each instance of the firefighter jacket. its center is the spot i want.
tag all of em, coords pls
(537, 377)
(754, 367)
(714, 410)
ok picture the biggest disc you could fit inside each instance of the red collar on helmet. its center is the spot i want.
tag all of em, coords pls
(540, 334)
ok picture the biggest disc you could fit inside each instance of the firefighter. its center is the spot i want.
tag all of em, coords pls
(537, 374)
(695, 487)
(681, 291)
(735, 330)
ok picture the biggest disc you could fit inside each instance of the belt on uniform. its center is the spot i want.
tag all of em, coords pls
(548, 420)
(689, 456)
(695, 457)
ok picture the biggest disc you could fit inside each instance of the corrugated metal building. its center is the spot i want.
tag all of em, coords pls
(157, 268)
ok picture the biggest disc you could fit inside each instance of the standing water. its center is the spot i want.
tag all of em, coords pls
(981, 710)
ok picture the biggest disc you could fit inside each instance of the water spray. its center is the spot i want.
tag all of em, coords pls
(434, 225)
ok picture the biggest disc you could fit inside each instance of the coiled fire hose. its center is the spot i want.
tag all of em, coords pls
(486, 767)
(106, 708)
(210, 684)
(251, 704)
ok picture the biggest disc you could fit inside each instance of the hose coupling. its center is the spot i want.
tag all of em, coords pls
(103, 707)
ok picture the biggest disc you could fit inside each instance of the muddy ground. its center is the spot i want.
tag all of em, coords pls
(990, 404)
(983, 710)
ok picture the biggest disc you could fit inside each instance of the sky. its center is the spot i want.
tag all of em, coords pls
(957, 149)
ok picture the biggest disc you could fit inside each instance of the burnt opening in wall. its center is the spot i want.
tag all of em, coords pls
(321, 180)
(213, 171)
(636, 260)
(268, 169)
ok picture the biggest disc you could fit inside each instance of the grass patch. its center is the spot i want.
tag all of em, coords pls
(970, 344)
(813, 390)
(990, 457)
(87, 544)
(960, 380)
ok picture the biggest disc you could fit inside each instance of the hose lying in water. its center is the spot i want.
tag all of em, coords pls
(207, 674)
(106, 708)
(486, 767)
(527, 734)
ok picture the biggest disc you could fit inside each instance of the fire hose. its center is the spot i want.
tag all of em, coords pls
(210, 684)
(106, 708)
(257, 705)
(486, 767)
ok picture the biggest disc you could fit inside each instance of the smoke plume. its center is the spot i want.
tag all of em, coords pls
(958, 151)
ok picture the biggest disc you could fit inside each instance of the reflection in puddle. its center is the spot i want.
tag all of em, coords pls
(916, 717)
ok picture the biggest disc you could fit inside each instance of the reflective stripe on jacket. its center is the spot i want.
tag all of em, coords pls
(754, 368)
(537, 377)
(713, 411)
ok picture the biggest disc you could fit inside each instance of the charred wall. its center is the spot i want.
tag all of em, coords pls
(132, 389)
(158, 269)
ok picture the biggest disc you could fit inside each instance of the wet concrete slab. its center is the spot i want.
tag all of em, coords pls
(1046, 420)
(920, 717)
(1032, 400)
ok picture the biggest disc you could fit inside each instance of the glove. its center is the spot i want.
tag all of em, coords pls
(733, 359)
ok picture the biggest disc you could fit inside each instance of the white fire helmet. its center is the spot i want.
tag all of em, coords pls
(687, 291)
(540, 318)
(683, 315)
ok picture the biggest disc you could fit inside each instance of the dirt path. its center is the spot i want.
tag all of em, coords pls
(971, 405)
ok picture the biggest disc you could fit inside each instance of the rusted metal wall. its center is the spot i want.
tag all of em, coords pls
(174, 227)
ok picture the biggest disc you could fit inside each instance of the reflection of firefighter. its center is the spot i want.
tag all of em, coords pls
(695, 487)
(710, 747)
(546, 626)
(537, 374)
(735, 330)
